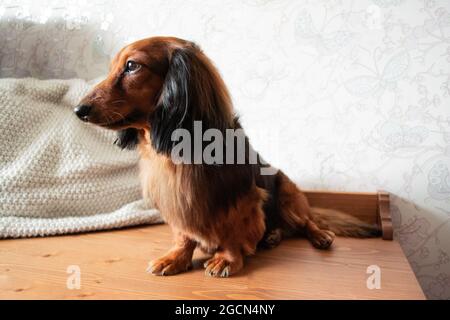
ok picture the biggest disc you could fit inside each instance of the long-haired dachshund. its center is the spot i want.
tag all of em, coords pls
(158, 85)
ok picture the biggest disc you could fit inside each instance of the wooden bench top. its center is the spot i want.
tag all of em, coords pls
(113, 266)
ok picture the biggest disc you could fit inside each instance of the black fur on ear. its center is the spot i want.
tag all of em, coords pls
(192, 91)
(127, 138)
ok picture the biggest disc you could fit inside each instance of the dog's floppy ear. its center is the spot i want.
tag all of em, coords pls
(192, 91)
(127, 138)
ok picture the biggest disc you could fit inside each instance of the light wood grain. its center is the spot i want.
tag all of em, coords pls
(113, 266)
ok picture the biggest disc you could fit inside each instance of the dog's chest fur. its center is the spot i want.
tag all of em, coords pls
(161, 185)
(169, 188)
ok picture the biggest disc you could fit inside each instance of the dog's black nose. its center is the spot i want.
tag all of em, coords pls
(83, 111)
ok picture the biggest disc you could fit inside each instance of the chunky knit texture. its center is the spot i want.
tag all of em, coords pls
(59, 175)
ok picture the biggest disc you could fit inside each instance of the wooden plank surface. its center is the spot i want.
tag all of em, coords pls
(113, 266)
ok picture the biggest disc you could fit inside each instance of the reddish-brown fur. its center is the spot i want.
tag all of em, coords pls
(256, 209)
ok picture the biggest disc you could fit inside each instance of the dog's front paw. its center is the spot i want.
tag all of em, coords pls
(219, 266)
(168, 266)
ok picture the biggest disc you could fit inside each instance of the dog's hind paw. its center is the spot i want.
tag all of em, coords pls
(322, 239)
(272, 238)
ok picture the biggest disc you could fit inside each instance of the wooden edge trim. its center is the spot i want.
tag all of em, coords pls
(314, 191)
(384, 215)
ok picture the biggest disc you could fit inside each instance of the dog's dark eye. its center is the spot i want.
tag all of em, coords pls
(132, 66)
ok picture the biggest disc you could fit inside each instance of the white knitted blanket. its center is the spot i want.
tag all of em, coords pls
(59, 175)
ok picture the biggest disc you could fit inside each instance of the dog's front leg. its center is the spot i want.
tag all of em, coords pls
(178, 259)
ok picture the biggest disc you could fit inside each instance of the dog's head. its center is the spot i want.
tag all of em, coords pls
(159, 84)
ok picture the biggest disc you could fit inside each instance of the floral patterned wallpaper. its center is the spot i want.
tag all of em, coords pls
(341, 94)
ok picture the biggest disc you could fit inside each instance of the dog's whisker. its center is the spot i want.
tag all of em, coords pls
(118, 101)
(121, 116)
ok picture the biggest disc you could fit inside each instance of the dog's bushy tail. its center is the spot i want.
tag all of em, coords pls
(295, 213)
(343, 224)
